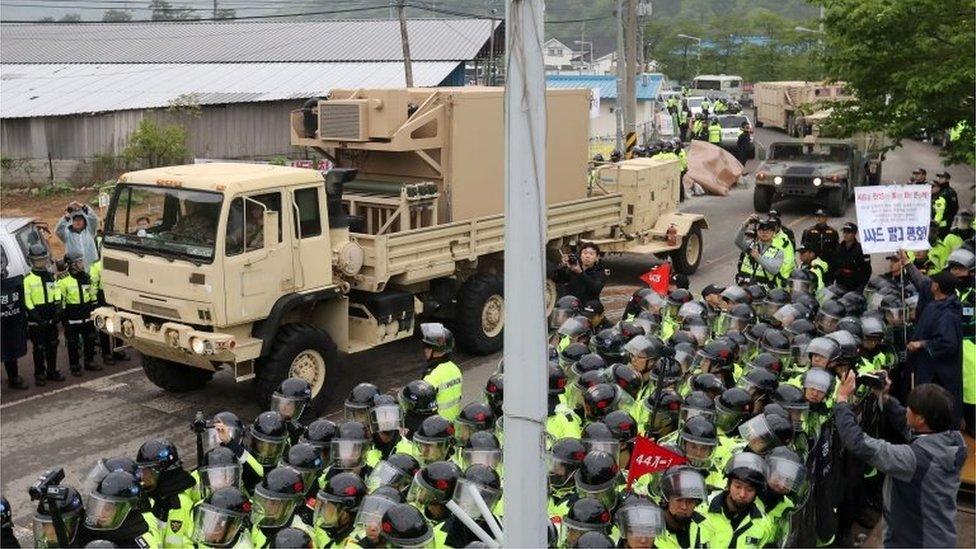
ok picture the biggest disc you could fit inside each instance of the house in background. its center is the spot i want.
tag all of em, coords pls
(559, 56)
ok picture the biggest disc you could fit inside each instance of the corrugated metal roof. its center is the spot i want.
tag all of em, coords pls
(54, 90)
(648, 84)
(244, 42)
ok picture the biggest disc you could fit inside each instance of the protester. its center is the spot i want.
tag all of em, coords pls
(582, 274)
(923, 475)
(849, 266)
(76, 229)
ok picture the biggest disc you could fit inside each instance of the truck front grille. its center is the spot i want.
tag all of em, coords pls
(156, 310)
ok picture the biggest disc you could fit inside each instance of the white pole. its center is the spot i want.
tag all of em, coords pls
(470, 523)
(525, 274)
(486, 515)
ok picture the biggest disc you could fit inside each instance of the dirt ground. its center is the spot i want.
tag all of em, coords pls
(46, 209)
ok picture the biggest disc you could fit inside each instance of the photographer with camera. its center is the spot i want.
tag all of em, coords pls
(582, 274)
(763, 260)
(77, 230)
(923, 475)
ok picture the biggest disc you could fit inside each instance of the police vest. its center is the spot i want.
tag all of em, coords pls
(682, 116)
(42, 294)
(755, 530)
(676, 540)
(714, 133)
(77, 295)
(446, 377)
(939, 204)
(752, 269)
(683, 157)
(178, 528)
(95, 274)
(818, 268)
(563, 423)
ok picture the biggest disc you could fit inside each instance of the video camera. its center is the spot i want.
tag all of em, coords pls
(48, 486)
(201, 423)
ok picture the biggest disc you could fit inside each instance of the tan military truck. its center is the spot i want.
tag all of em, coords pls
(272, 271)
(786, 105)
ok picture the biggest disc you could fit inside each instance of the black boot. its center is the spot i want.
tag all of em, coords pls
(55, 376)
(92, 367)
(40, 381)
(16, 382)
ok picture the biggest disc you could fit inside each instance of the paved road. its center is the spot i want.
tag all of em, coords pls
(74, 424)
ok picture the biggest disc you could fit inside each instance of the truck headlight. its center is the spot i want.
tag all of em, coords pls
(777, 180)
(201, 346)
(110, 325)
(817, 181)
(128, 328)
(99, 322)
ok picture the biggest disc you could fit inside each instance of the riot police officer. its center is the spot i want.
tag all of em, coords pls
(274, 501)
(404, 526)
(42, 300)
(221, 519)
(441, 371)
(112, 513)
(732, 516)
(165, 481)
(335, 508)
(682, 491)
(13, 324)
(78, 300)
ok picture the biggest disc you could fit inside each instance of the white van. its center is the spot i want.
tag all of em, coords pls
(727, 83)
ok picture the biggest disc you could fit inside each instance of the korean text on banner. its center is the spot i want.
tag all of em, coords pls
(893, 217)
(594, 102)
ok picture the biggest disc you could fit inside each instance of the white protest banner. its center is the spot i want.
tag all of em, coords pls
(893, 217)
(594, 102)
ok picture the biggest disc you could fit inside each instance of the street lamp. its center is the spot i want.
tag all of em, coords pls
(698, 41)
(804, 29)
(590, 50)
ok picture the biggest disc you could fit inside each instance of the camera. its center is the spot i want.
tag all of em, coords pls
(200, 423)
(874, 381)
(48, 485)
(573, 259)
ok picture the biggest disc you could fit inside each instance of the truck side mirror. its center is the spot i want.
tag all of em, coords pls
(270, 228)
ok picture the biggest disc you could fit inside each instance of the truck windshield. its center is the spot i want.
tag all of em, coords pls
(164, 221)
(707, 85)
(806, 152)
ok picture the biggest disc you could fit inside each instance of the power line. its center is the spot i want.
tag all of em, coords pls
(200, 20)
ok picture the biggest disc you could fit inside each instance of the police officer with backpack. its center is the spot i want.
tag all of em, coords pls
(42, 300)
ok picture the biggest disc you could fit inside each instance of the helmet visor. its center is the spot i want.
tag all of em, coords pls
(757, 434)
(94, 477)
(690, 309)
(212, 437)
(215, 527)
(388, 417)
(611, 447)
(431, 450)
(640, 521)
(824, 347)
(698, 452)
(348, 453)
(826, 322)
(683, 483)
(700, 331)
(148, 476)
(800, 354)
(289, 407)
(215, 477)
(735, 294)
(466, 501)
(786, 314)
(818, 379)
(769, 308)
(385, 474)
(684, 358)
(269, 510)
(785, 475)
(561, 471)
(266, 450)
(558, 316)
(423, 493)
(688, 412)
(44, 533)
(106, 513)
(653, 303)
(370, 515)
(488, 458)
(894, 316)
(726, 419)
(356, 411)
(799, 286)
(573, 327)
(327, 512)
(423, 540)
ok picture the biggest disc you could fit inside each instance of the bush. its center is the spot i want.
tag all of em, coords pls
(152, 145)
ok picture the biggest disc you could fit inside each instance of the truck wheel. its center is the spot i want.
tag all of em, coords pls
(762, 198)
(173, 376)
(837, 202)
(687, 258)
(480, 321)
(299, 350)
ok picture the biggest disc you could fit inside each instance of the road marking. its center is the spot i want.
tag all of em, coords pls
(94, 384)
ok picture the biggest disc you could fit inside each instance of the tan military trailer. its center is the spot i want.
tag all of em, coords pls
(271, 271)
(787, 105)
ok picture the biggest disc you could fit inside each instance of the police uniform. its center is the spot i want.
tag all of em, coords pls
(819, 269)
(563, 423)
(821, 238)
(752, 528)
(78, 299)
(42, 300)
(715, 133)
(13, 326)
(692, 537)
(445, 376)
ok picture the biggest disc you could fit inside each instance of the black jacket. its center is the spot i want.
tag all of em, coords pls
(821, 238)
(849, 267)
(586, 286)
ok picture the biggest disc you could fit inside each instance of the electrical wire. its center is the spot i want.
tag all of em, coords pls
(201, 20)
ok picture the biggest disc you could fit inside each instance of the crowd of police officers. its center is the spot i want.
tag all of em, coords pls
(740, 381)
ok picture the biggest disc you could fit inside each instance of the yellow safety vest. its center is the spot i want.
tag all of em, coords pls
(446, 377)
(38, 292)
(714, 134)
(95, 273)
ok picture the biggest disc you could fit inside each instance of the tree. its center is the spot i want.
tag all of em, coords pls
(226, 13)
(70, 18)
(115, 16)
(164, 11)
(908, 65)
(152, 145)
(46, 19)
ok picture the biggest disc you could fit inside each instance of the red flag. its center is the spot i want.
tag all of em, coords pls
(658, 278)
(648, 457)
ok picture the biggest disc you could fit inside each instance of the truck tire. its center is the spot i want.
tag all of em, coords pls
(299, 350)
(687, 258)
(762, 198)
(479, 324)
(174, 377)
(837, 202)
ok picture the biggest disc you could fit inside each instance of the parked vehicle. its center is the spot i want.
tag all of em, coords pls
(270, 272)
(17, 235)
(785, 105)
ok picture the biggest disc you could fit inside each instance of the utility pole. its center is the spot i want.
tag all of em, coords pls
(621, 110)
(405, 42)
(630, 78)
(215, 9)
(525, 274)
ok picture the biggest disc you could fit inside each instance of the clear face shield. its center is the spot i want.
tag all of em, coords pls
(800, 286)
(355, 411)
(701, 332)
(573, 328)
(327, 512)
(385, 474)
(665, 421)
(558, 316)
(212, 437)
(688, 412)
(423, 493)
(106, 513)
(290, 408)
(819, 380)
(94, 477)
(45, 534)
(726, 419)
(699, 453)
(684, 357)
(786, 314)
(215, 527)
(683, 484)
(640, 524)
(466, 501)
(348, 453)
(758, 436)
(605, 493)
(571, 530)
(270, 510)
(611, 447)
(267, 450)
(894, 316)
(799, 355)
(430, 450)
(560, 471)
(769, 308)
(215, 477)
(488, 458)
(654, 304)
(370, 516)
(826, 323)
(785, 476)
(386, 418)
